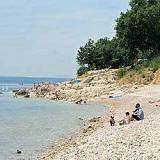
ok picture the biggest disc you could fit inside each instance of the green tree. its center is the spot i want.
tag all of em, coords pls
(135, 4)
(104, 53)
(138, 30)
(86, 54)
(97, 55)
(137, 36)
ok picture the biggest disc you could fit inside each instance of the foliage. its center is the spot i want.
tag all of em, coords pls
(96, 55)
(122, 72)
(153, 64)
(137, 37)
(82, 70)
(86, 54)
(139, 69)
(138, 30)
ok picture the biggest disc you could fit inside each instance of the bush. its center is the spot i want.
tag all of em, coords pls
(155, 64)
(122, 72)
(82, 70)
(150, 65)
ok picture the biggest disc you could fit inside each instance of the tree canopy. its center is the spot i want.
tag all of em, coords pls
(137, 36)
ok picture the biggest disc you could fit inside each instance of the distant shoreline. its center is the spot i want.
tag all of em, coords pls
(30, 80)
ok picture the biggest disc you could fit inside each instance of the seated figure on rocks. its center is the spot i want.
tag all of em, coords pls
(138, 113)
(126, 120)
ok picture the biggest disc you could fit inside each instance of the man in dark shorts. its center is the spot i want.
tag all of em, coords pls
(138, 114)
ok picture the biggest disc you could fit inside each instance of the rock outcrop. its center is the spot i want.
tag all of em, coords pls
(92, 85)
(22, 92)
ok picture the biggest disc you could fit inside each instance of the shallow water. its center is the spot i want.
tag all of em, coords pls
(32, 125)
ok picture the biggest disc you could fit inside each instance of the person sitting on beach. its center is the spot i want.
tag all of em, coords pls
(138, 113)
(126, 120)
(112, 121)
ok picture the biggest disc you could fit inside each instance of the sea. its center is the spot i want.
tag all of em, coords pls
(34, 125)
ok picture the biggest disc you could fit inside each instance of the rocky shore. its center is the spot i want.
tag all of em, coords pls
(87, 87)
(136, 141)
(99, 141)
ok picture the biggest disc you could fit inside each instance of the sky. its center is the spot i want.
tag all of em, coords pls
(40, 38)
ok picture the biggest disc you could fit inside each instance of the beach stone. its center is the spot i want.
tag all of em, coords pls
(19, 152)
(95, 119)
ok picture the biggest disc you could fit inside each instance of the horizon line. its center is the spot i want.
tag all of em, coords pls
(1, 76)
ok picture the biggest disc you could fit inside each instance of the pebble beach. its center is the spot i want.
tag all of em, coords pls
(136, 141)
(98, 140)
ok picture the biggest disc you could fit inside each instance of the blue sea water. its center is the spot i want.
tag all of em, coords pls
(10, 83)
(33, 125)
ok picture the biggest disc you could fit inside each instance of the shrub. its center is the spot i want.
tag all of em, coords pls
(154, 64)
(82, 70)
(122, 72)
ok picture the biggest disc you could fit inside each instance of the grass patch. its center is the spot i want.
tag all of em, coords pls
(140, 73)
(122, 72)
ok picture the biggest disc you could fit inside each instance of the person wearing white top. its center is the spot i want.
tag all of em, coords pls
(138, 114)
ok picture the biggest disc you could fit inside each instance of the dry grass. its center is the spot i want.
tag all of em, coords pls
(157, 77)
(133, 77)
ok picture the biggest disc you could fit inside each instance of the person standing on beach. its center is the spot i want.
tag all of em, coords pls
(138, 114)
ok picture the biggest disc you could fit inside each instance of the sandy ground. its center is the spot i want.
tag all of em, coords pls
(136, 141)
